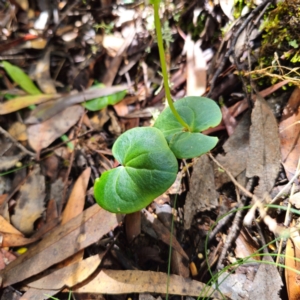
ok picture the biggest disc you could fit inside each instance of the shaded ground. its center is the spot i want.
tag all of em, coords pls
(58, 125)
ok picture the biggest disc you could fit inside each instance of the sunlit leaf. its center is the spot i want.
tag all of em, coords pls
(200, 114)
(148, 169)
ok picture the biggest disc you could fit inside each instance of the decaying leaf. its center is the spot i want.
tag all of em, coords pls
(30, 204)
(43, 134)
(61, 243)
(124, 282)
(289, 129)
(65, 277)
(202, 194)
(264, 148)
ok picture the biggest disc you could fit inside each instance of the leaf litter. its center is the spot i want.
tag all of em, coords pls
(45, 250)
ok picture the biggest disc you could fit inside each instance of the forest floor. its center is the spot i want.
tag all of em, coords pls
(75, 75)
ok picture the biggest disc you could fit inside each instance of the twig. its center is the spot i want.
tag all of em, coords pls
(20, 146)
(235, 227)
(271, 223)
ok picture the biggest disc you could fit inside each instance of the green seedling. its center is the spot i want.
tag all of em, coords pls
(102, 102)
(148, 156)
(200, 114)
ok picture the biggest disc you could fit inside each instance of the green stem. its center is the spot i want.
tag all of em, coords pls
(164, 67)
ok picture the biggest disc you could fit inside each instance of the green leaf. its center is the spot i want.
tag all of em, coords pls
(200, 114)
(20, 78)
(101, 102)
(148, 169)
(191, 144)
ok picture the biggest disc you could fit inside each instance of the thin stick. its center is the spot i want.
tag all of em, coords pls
(20, 146)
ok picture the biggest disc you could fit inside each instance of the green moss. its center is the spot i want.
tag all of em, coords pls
(281, 36)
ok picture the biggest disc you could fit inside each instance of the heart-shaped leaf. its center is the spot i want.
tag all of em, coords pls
(200, 114)
(148, 169)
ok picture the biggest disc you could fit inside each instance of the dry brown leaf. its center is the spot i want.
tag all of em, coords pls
(133, 281)
(202, 194)
(289, 129)
(50, 109)
(66, 277)
(74, 207)
(76, 200)
(23, 102)
(30, 204)
(6, 227)
(291, 277)
(18, 131)
(42, 135)
(61, 243)
(15, 240)
(196, 68)
(264, 147)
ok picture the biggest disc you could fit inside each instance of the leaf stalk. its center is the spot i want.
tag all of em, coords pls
(164, 66)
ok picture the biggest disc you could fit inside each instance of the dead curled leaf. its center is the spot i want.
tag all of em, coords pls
(61, 243)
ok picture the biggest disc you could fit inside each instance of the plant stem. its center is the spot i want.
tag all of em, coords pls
(164, 67)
